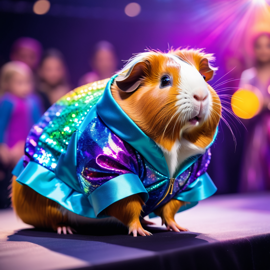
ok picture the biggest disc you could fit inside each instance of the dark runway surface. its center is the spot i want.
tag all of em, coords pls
(226, 232)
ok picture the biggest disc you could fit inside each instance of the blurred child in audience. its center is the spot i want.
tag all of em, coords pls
(103, 63)
(256, 162)
(52, 78)
(19, 110)
(26, 50)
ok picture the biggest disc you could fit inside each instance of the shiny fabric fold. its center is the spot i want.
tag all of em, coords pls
(199, 190)
(117, 189)
(66, 166)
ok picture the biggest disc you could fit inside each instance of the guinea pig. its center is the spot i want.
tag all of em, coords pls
(140, 149)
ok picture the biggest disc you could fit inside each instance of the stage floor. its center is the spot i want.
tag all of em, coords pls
(226, 232)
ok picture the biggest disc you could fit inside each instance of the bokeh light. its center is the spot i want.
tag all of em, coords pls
(41, 7)
(132, 9)
(245, 103)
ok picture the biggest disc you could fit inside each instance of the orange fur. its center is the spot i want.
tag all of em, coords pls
(127, 210)
(168, 210)
(35, 209)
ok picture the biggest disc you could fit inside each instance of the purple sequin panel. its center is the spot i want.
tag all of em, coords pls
(101, 156)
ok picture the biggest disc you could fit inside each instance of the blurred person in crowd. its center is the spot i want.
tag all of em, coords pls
(256, 162)
(19, 110)
(26, 50)
(103, 63)
(52, 78)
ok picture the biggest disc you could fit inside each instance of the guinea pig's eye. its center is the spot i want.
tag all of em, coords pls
(165, 81)
(204, 77)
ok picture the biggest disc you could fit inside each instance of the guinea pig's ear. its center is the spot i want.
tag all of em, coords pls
(133, 78)
(199, 59)
(206, 70)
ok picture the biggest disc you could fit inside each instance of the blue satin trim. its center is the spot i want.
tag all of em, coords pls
(45, 183)
(18, 168)
(199, 190)
(117, 189)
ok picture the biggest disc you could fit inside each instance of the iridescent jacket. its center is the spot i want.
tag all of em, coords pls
(86, 153)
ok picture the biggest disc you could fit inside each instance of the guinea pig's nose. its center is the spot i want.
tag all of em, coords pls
(200, 96)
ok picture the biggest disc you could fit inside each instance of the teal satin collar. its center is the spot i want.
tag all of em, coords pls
(121, 124)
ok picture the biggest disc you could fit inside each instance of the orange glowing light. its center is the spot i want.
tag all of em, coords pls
(132, 9)
(41, 7)
(245, 104)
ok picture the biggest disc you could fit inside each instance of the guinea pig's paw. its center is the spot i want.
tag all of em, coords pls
(65, 230)
(136, 228)
(172, 225)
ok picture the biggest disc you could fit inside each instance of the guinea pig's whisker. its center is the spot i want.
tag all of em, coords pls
(225, 96)
(224, 90)
(226, 81)
(168, 124)
(225, 102)
(236, 98)
(229, 127)
(234, 116)
(227, 87)
(176, 122)
(224, 75)
(235, 125)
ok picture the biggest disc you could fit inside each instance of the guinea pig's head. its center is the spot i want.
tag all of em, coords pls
(168, 97)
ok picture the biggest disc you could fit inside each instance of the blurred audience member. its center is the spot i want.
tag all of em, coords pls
(19, 111)
(234, 65)
(52, 78)
(256, 162)
(26, 50)
(103, 63)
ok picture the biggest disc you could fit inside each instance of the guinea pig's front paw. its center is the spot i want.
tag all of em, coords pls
(172, 225)
(136, 228)
(65, 230)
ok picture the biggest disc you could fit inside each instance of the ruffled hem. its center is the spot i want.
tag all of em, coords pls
(48, 185)
(116, 189)
(45, 183)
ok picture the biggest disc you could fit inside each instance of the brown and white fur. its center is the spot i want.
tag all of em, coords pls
(180, 117)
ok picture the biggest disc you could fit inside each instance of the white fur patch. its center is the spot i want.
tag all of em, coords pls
(179, 153)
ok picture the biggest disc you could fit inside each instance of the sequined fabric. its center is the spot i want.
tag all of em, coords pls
(102, 156)
(50, 137)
